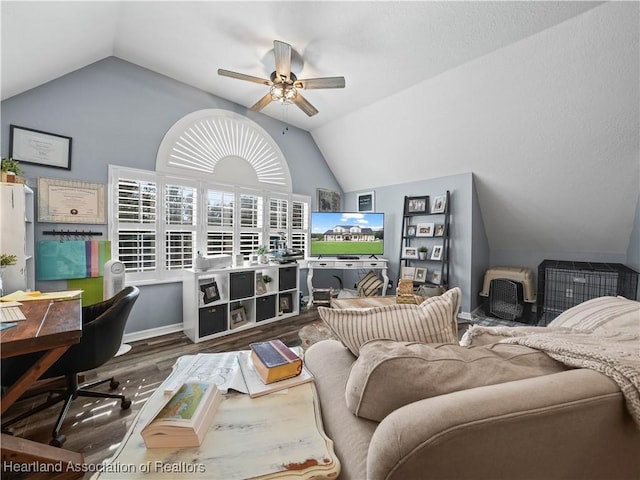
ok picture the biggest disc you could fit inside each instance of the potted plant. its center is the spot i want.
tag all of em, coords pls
(10, 169)
(6, 261)
(422, 253)
(262, 254)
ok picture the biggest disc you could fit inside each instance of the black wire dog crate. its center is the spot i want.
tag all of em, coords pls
(564, 284)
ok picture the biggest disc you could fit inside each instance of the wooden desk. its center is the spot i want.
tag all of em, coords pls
(50, 327)
(276, 436)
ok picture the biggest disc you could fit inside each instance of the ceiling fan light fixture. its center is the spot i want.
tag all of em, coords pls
(283, 93)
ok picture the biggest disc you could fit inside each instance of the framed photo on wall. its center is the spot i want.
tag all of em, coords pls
(328, 200)
(68, 201)
(39, 148)
(416, 205)
(366, 202)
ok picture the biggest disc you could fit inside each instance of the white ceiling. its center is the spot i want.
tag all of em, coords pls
(517, 92)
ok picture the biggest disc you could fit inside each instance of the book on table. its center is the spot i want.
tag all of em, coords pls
(256, 387)
(274, 361)
(185, 418)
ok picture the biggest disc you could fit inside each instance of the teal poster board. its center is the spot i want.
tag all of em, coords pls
(57, 260)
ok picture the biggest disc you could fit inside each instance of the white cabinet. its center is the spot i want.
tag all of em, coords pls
(16, 236)
(220, 301)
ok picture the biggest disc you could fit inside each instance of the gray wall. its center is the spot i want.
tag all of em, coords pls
(117, 113)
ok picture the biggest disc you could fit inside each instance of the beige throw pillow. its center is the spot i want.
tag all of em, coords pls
(606, 313)
(433, 321)
(369, 285)
(389, 375)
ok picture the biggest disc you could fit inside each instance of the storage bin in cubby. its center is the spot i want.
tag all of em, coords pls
(287, 278)
(212, 319)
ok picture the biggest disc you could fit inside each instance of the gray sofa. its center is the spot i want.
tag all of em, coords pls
(570, 424)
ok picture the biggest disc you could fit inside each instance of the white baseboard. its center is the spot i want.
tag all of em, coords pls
(465, 316)
(151, 333)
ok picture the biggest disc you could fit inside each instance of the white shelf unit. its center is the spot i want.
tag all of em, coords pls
(16, 238)
(236, 287)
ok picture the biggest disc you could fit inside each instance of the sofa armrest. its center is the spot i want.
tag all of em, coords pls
(572, 424)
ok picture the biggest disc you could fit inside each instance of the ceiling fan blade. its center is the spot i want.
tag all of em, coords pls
(242, 76)
(282, 53)
(326, 82)
(304, 105)
(263, 102)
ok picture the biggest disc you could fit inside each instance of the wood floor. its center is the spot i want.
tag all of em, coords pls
(95, 427)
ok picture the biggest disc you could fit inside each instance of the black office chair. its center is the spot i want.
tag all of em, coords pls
(102, 329)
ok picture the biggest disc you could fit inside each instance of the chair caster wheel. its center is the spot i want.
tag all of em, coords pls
(125, 404)
(58, 441)
(113, 384)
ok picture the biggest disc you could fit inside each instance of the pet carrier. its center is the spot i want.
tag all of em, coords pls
(508, 293)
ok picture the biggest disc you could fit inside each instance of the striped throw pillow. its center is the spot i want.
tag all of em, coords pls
(607, 313)
(369, 285)
(430, 322)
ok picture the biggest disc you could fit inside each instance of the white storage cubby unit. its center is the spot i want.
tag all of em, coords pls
(220, 301)
(16, 218)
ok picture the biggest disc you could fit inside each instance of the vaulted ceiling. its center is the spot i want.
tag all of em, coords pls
(538, 99)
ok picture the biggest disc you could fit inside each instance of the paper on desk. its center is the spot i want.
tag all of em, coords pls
(22, 296)
(219, 368)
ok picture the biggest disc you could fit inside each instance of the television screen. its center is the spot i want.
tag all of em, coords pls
(347, 233)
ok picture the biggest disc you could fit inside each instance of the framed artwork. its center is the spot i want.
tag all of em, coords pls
(438, 230)
(238, 317)
(416, 205)
(436, 253)
(211, 292)
(424, 230)
(328, 200)
(39, 148)
(421, 275)
(410, 231)
(286, 304)
(261, 287)
(67, 201)
(366, 202)
(439, 204)
(408, 273)
(436, 278)
(409, 252)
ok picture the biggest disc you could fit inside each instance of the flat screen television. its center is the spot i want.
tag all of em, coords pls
(347, 233)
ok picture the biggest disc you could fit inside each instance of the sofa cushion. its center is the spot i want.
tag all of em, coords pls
(369, 285)
(606, 313)
(430, 322)
(389, 374)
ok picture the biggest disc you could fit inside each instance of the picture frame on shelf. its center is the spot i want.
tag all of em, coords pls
(436, 252)
(438, 231)
(436, 278)
(410, 231)
(416, 205)
(420, 275)
(408, 273)
(286, 303)
(439, 204)
(211, 291)
(424, 230)
(238, 317)
(328, 200)
(261, 287)
(365, 202)
(36, 147)
(410, 252)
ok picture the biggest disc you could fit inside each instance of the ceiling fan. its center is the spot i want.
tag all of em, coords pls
(284, 83)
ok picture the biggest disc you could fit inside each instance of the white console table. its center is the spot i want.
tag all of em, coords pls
(332, 263)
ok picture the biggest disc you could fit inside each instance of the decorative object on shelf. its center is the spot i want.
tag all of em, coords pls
(439, 230)
(421, 275)
(409, 252)
(261, 288)
(416, 205)
(410, 231)
(436, 253)
(66, 201)
(436, 278)
(365, 202)
(408, 273)
(211, 292)
(439, 204)
(40, 148)
(328, 200)
(286, 305)
(238, 317)
(424, 230)
(11, 171)
(262, 251)
(422, 253)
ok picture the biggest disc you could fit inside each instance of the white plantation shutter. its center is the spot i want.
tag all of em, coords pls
(180, 229)
(298, 239)
(251, 215)
(220, 222)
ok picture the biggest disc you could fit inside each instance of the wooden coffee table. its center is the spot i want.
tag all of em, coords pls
(362, 302)
(276, 436)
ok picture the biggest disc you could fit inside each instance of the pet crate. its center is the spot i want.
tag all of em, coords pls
(508, 293)
(564, 284)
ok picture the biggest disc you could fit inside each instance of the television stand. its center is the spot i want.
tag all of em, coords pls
(340, 264)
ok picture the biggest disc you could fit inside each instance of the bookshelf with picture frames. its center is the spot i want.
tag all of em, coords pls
(425, 245)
